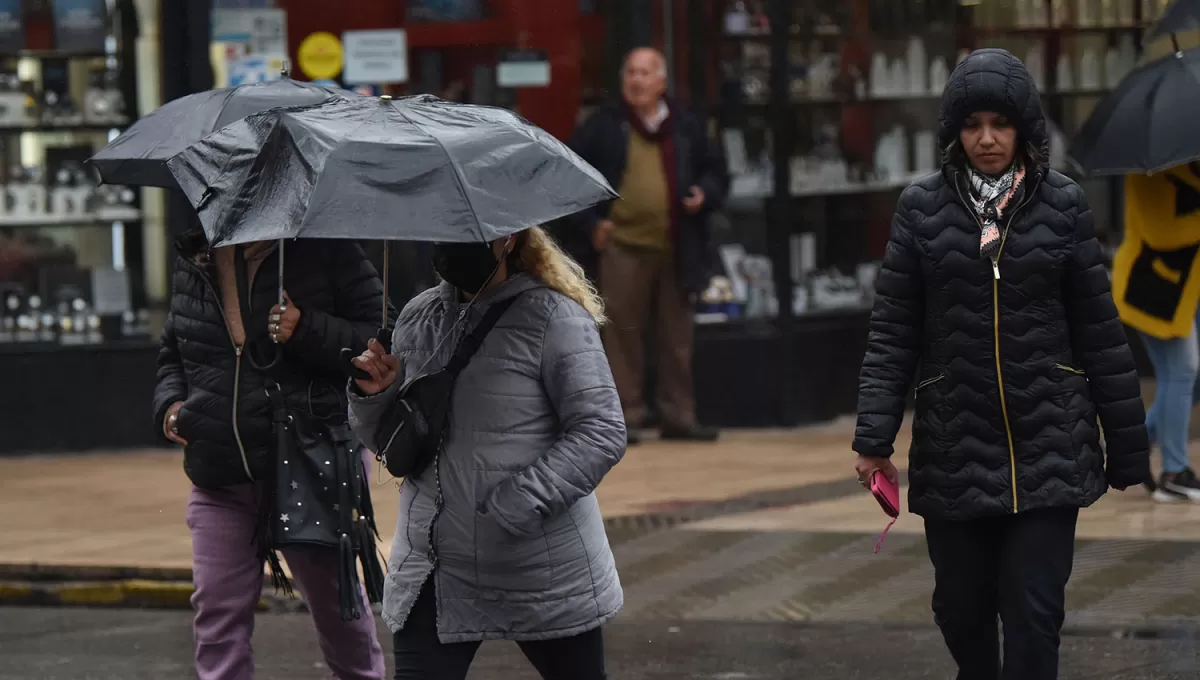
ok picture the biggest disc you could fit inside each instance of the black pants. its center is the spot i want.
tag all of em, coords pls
(1016, 567)
(420, 656)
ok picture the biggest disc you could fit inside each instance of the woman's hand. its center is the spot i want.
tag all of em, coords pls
(169, 424)
(382, 366)
(283, 320)
(866, 465)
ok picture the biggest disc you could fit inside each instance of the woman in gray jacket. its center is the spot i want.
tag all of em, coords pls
(501, 536)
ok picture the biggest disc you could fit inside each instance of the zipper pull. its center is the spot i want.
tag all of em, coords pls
(237, 349)
(996, 268)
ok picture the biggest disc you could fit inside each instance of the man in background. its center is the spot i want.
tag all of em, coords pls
(651, 246)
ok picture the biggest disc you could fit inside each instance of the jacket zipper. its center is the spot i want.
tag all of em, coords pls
(439, 501)
(1068, 369)
(237, 369)
(1012, 451)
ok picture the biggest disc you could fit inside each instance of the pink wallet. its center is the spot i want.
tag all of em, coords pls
(887, 493)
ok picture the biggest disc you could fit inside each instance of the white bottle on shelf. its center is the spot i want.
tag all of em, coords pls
(1035, 62)
(939, 74)
(1125, 12)
(898, 78)
(1086, 13)
(902, 155)
(879, 74)
(918, 67)
(1037, 14)
(1112, 68)
(1106, 13)
(1060, 13)
(925, 145)
(1090, 71)
(1063, 78)
(1021, 18)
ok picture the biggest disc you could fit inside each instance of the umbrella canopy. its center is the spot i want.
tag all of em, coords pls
(1148, 124)
(416, 168)
(138, 157)
(1180, 16)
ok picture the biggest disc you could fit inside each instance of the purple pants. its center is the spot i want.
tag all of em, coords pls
(229, 579)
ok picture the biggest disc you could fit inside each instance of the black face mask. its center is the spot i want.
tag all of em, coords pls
(466, 266)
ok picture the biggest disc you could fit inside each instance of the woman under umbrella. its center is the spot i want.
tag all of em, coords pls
(501, 537)
(993, 292)
(210, 400)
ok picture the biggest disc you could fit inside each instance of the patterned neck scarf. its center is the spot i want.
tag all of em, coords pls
(990, 196)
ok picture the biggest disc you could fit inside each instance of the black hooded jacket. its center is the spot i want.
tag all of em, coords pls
(1015, 369)
(225, 406)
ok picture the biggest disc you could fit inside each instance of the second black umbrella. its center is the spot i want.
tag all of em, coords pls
(1148, 124)
(138, 157)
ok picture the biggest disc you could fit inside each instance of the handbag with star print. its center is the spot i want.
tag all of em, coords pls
(320, 497)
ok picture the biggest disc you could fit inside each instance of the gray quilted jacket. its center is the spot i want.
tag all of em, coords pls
(518, 547)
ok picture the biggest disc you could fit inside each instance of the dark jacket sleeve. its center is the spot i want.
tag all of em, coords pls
(587, 140)
(358, 296)
(172, 382)
(1101, 349)
(894, 340)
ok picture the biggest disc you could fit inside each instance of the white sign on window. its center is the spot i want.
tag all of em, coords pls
(264, 30)
(375, 57)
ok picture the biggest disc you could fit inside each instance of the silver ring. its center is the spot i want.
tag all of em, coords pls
(275, 328)
(275, 318)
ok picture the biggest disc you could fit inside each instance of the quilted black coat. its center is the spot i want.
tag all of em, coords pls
(1017, 368)
(339, 295)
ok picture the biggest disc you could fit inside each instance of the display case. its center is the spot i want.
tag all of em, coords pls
(72, 296)
(71, 262)
(829, 109)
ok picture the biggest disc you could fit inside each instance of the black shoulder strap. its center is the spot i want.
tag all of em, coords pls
(470, 344)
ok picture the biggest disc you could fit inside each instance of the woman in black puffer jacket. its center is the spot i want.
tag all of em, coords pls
(212, 399)
(994, 296)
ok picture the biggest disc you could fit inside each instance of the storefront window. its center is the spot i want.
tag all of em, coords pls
(71, 257)
(858, 121)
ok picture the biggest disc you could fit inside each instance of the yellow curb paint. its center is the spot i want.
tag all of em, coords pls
(15, 591)
(159, 593)
(88, 593)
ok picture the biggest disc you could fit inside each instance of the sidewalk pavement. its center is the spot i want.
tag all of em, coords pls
(762, 526)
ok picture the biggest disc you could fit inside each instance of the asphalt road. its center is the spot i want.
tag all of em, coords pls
(110, 644)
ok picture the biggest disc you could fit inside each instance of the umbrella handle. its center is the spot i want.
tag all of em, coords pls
(383, 335)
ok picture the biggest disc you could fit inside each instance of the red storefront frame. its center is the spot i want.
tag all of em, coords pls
(554, 26)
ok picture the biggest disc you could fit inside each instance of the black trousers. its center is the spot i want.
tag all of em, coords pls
(420, 656)
(1015, 567)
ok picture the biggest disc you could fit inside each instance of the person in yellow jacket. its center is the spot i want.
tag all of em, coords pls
(1156, 285)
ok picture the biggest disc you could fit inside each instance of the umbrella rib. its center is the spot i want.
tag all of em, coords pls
(462, 189)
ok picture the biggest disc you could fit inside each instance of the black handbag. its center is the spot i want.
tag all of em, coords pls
(319, 495)
(314, 488)
(411, 429)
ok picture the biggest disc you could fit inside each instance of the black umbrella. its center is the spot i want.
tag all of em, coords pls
(416, 169)
(1180, 16)
(1148, 124)
(138, 157)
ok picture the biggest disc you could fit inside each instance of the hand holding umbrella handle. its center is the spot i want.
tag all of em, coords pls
(383, 335)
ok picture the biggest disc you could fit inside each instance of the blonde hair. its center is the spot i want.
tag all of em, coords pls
(541, 257)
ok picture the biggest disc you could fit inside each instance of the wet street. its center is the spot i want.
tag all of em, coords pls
(92, 644)
(749, 560)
